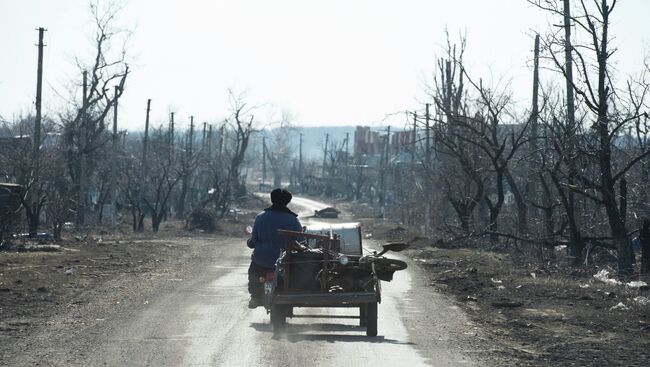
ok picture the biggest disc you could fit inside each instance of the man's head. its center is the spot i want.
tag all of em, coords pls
(281, 197)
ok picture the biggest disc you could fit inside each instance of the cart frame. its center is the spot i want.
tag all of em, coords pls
(282, 300)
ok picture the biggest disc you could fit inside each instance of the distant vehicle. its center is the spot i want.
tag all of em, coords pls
(328, 212)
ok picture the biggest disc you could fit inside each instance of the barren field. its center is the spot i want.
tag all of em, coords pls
(540, 314)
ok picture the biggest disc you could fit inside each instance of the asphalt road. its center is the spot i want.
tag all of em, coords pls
(203, 321)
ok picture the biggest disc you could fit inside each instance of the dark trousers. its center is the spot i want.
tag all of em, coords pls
(255, 288)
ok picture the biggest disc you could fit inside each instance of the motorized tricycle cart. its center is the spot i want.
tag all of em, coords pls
(314, 272)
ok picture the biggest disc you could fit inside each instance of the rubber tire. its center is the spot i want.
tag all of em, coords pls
(278, 318)
(363, 315)
(371, 327)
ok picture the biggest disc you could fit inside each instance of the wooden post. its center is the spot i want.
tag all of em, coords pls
(205, 128)
(81, 199)
(300, 163)
(644, 237)
(171, 129)
(190, 139)
(263, 160)
(532, 188)
(414, 137)
(327, 140)
(114, 161)
(145, 141)
(39, 92)
(427, 172)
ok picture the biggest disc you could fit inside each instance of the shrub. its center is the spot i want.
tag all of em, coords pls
(204, 219)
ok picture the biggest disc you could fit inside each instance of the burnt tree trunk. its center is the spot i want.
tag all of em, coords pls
(644, 237)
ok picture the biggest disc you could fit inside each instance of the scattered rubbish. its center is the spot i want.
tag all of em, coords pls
(29, 247)
(39, 236)
(368, 235)
(603, 276)
(637, 284)
(472, 299)
(620, 307)
(71, 271)
(507, 304)
(496, 281)
(533, 275)
(583, 286)
(500, 287)
(642, 300)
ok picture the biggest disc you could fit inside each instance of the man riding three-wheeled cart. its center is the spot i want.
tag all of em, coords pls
(322, 266)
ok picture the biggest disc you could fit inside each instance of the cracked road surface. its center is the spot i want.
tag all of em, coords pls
(201, 319)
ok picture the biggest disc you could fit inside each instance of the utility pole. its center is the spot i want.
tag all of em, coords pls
(571, 127)
(39, 93)
(263, 160)
(347, 147)
(568, 48)
(210, 141)
(171, 129)
(205, 126)
(114, 161)
(413, 146)
(532, 188)
(427, 164)
(300, 161)
(145, 141)
(327, 141)
(191, 138)
(428, 137)
(347, 163)
(222, 132)
(170, 143)
(81, 199)
(143, 173)
(382, 172)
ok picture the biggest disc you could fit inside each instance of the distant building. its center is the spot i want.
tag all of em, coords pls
(371, 143)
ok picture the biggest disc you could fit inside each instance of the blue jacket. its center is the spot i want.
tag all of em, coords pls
(265, 237)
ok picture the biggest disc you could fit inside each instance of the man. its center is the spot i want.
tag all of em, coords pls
(267, 243)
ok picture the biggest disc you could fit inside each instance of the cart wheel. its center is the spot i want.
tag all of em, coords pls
(363, 315)
(278, 318)
(371, 312)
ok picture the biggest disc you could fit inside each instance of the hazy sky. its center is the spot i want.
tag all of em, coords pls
(328, 62)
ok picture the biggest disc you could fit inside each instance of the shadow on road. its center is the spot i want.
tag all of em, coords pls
(293, 333)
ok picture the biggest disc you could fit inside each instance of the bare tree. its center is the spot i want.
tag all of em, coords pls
(241, 125)
(607, 111)
(162, 176)
(85, 127)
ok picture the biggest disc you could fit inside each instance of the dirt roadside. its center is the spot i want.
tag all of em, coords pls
(66, 294)
(538, 314)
